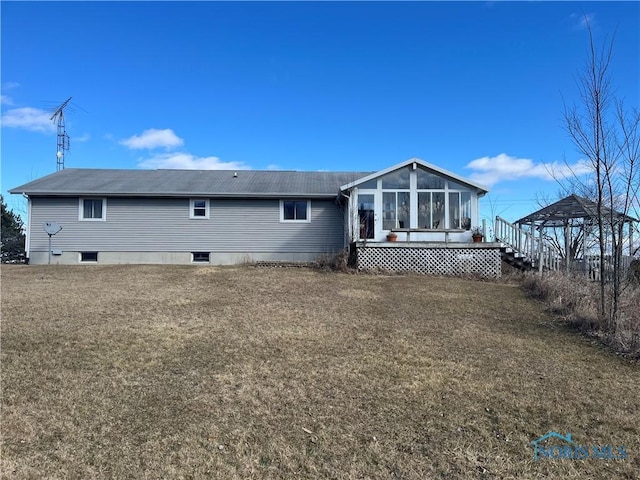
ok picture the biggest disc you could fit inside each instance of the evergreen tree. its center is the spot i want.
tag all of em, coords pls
(12, 236)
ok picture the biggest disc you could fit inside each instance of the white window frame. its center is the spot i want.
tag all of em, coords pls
(81, 217)
(192, 208)
(306, 220)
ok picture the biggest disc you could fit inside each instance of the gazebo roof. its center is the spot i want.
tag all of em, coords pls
(569, 207)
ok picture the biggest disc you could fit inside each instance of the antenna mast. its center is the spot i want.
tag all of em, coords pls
(63, 138)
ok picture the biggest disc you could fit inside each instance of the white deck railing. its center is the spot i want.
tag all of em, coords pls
(540, 254)
(525, 245)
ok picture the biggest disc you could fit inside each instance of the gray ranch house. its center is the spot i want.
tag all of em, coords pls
(221, 217)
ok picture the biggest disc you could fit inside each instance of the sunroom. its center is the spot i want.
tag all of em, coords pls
(415, 200)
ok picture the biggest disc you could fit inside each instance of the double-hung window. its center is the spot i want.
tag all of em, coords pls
(295, 211)
(93, 209)
(199, 208)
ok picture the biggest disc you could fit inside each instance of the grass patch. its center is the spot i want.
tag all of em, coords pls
(185, 372)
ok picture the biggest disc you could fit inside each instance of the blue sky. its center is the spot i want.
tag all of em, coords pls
(474, 87)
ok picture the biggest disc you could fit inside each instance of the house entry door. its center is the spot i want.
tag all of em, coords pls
(366, 215)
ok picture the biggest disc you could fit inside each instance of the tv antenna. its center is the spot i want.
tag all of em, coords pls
(63, 138)
(51, 228)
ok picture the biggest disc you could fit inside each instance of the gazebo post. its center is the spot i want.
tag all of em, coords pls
(567, 242)
(541, 250)
(584, 246)
(533, 241)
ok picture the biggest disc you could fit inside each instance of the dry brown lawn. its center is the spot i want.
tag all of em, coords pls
(202, 372)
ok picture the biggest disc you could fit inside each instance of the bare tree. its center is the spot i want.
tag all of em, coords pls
(606, 134)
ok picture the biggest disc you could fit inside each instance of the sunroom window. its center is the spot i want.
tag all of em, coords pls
(429, 181)
(460, 210)
(397, 180)
(465, 210)
(418, 198)
(396, 210)
(431, 210)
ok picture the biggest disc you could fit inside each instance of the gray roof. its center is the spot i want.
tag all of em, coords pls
(179, 183)
(572, 206)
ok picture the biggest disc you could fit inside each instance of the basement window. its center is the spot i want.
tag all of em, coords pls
(200, 257)
(88, 256)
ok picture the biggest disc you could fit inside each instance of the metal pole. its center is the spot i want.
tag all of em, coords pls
(49, 249)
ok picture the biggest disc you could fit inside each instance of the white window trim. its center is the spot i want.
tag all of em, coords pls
(192, 206)
(282, 219)
(81, 210)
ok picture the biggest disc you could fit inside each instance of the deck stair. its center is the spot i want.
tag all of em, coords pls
(523, 249)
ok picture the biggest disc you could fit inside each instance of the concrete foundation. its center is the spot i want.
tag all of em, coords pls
(169, 258)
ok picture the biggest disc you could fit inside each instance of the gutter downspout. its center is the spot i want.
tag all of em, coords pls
(27, 239)
(347, 239)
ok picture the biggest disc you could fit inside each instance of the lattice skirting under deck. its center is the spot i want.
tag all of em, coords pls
(432, 261)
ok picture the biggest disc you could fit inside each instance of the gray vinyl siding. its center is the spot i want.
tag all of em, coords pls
(163, 225)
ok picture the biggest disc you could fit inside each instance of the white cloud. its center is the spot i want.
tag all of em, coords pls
(273, 166)
(10, 85)
(28, 118)
(582, 21)
(186, 161)
(81, 138)
(503, 167)
(153, 138)
(5, 99)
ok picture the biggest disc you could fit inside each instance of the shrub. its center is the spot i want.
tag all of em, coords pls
(337, 262)
(12, 236)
